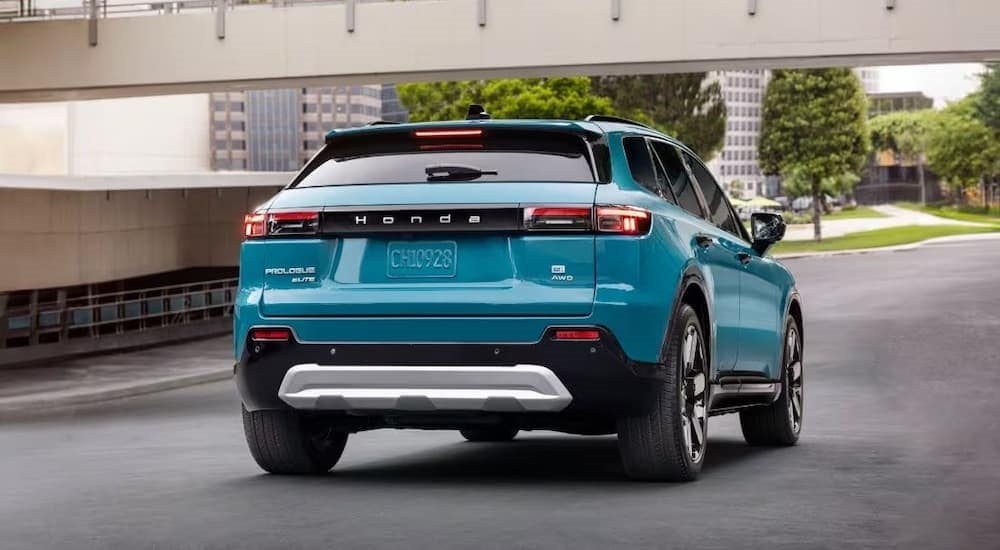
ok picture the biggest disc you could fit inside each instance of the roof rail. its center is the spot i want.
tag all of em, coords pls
(609, 118)
(381, 123)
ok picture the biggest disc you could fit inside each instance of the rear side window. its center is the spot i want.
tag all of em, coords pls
(680, 182)
(718, 208)
(640, 163)
(399, 157)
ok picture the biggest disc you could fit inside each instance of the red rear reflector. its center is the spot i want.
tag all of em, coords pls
(270, 334)
(447, 133)
(577, 335)
(557, 218)
(627, 220)
(253, 225)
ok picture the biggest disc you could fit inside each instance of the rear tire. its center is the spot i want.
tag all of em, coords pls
(285, 442)
(489, 434)
(780, 423)
(668, 442)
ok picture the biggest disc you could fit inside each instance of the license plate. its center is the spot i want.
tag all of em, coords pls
(421, 259)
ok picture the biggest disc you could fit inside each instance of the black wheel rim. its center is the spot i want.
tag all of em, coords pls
(692, 393)
(793, 374)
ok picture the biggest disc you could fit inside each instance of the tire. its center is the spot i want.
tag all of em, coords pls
(490, 434)
(284, 442)
(668, 441)
(780, 423)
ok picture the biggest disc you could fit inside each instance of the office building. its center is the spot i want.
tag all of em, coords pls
(279, 130)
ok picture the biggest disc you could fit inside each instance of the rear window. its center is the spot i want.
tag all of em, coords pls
(395, 157)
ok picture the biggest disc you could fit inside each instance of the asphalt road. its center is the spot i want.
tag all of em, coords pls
(900, 448)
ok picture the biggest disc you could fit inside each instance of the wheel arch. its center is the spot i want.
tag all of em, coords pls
(692, 290)
(794, 309)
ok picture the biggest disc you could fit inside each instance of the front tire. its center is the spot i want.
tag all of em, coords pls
(668, 442)
(286, 442)
(489, 434)
(780, 423)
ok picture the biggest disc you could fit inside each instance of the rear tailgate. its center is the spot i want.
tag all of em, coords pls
(448, 248)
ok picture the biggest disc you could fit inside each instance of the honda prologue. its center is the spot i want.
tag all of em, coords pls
(492, 276)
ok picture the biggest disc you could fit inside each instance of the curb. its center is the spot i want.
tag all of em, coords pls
(897, 248)
(12, 407)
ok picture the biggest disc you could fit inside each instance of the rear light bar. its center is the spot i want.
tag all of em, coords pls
(623, 220)
(577, 335)
(280, 224)
(611, 219)
(279, 334)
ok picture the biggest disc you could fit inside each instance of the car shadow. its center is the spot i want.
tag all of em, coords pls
(552, 459)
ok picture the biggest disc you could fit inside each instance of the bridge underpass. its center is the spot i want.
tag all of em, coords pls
(283, 44)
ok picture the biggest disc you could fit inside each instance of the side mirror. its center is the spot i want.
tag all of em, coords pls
(767, 229)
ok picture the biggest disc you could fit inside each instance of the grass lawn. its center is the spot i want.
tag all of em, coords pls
(880, 237)
(859, 212)
(969, 214)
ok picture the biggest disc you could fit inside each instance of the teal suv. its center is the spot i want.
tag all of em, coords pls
(492, 276)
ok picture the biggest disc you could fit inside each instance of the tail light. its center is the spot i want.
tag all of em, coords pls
(623, 220)
(279, 334)
(627, 220)
(280, 224)
(557, 218)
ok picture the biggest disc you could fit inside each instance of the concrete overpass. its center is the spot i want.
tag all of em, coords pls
(281, 45)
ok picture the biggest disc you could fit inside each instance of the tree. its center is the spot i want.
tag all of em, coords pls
(962, 150)
(907, 133)
(567, 98)
(797, 183)
(683, 105)
(988, 104)
(815, 127)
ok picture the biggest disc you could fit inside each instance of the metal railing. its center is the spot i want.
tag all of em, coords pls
(27, 10)
(117, 312)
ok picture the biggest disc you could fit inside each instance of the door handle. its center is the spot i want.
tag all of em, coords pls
(704, 241)
(744, 257)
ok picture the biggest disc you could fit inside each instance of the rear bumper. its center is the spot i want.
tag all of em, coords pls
(568, 378)
(516, 389)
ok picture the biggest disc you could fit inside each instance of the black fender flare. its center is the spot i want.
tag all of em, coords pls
(691, 277)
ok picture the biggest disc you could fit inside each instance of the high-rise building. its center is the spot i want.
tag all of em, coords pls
(279, 130)
(736, 166)
(393, 109)
(891, 102)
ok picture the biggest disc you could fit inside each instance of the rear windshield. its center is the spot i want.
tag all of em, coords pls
(502, 156)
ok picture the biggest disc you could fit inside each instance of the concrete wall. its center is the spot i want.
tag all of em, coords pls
(267, 46)
(33, 139)
(54, 238)
(146, 135)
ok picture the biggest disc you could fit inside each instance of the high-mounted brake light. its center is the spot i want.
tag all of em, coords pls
(280, 224)
(577, 335)
(270, 334)
(627, 220)
(447, 133)
(557, 218)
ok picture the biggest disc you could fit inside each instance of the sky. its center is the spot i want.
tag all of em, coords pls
(942, 82)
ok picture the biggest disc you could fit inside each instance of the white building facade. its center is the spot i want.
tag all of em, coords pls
(737, 165)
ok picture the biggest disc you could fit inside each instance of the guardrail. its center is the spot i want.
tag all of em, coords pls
(117, 313)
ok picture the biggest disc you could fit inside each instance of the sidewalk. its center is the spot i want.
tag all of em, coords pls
(105, 377)
(895, 217)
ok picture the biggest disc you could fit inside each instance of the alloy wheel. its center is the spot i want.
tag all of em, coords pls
(793, 374)
(693, 394)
